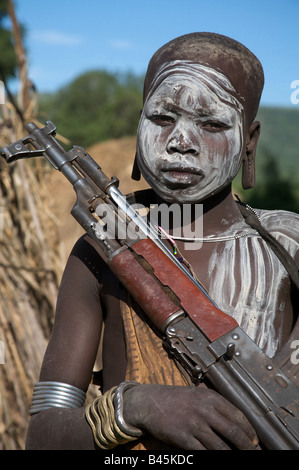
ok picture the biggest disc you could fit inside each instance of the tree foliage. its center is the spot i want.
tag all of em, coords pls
(96, 106)
(8, 60)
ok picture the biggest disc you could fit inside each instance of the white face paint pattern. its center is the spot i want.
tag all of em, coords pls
(190, 135)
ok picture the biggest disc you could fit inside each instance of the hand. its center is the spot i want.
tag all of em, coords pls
(192, 418)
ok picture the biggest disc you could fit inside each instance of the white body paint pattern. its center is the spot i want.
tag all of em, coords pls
(254, 300)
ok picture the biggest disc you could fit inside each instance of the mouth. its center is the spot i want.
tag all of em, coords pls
(181, 175)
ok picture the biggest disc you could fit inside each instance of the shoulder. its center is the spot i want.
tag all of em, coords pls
(85, 247)
(284, 226)
(86, 258)
(280, 222)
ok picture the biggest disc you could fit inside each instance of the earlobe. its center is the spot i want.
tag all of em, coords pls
(135, 171)
(136, 175)
(248, 170)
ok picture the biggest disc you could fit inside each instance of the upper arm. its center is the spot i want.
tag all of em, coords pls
(284, 226)
(74, 341)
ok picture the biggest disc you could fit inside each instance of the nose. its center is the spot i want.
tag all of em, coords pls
(182, 142)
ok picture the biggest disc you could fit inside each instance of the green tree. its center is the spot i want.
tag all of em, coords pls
(8, 60)
(96, 106)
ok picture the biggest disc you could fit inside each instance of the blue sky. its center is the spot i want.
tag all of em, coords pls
(67, 37)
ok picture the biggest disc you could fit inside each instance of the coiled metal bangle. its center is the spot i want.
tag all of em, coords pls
(55, 394)
(118, 404)
(101, 416)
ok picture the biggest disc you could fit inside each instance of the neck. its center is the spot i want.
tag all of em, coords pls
(219, 212)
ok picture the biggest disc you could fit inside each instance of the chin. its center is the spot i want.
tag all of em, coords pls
(177, 195)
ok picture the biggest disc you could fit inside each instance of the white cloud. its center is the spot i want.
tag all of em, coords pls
(56, 38)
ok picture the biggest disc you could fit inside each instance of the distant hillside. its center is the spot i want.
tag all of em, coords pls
(280, 138)
(277, 170)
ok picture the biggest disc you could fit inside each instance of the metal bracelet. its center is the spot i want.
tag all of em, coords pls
(55, 394)
(118, 404)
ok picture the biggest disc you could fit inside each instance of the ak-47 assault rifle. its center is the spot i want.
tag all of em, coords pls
(206, 341)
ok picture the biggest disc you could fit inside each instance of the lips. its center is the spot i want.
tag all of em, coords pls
(181, 175)
(180, 168)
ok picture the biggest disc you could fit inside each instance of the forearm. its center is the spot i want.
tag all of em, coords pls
(59, 429)
(99, 425)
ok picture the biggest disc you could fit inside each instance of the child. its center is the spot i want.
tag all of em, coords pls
(197, 129)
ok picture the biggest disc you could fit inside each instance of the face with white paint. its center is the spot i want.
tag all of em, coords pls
(190, 137)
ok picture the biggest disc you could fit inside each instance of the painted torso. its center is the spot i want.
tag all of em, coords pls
(246, 280)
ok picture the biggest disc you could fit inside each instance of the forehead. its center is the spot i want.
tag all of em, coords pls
(186, 92)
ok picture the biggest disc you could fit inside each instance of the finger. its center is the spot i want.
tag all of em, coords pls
(193, 444)
(186, 441)
(236, 417)
(235, 435)
(247, 429)
(212, 441)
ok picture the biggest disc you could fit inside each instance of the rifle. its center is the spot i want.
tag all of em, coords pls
(207, 342)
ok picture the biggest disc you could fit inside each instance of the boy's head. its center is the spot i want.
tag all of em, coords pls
(222, 53)
(201, 95)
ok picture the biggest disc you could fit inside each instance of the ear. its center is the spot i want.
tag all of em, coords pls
(248, 170)
(135, 171)
(136, 175)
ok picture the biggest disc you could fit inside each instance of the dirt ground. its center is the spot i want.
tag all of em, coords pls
(115, 157)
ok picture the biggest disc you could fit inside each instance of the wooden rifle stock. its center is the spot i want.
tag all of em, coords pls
(162, 290)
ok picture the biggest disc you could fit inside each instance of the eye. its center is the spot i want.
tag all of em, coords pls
(214, 126)
(161, 119)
